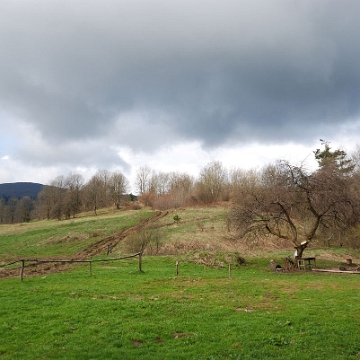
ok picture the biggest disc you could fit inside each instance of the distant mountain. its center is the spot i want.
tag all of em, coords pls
(20, 189)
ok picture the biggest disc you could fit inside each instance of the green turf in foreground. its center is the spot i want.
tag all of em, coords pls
(119, 313)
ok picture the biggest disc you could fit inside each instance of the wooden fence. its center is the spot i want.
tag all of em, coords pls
(37, 261)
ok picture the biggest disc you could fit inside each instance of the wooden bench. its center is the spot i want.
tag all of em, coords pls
(308, 262)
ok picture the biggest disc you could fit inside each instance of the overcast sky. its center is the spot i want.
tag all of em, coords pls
(88, 85)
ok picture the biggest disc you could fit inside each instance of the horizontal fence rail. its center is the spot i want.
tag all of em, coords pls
(44, 261)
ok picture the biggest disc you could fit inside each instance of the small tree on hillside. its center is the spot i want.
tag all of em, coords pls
(147, 238)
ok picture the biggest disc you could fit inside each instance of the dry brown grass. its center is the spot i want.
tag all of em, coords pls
(205, 229)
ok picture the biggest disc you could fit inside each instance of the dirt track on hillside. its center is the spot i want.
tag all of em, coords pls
(40, 267)
(101, 246)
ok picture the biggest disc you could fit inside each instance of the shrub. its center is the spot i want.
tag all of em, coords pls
(146, 239)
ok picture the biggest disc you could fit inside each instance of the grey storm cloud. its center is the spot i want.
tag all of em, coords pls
(213, 71)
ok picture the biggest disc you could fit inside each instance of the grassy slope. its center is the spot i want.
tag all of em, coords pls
(57, 238)
(200, 314)
(200, 229)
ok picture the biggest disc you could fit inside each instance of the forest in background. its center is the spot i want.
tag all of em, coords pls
(286, 201)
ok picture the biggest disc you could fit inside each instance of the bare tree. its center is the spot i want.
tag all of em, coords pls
(73, 184)
(160, 183)
(144, 184)
(143, 180)
(170, 190)
(104, 197)
(213, 179)
(45, 202)
(23, 209)
(58, 192)
(117, 186)
(291, 203)
(239, 179)
(2, 210)
(92, 191)
(181, 187)
(11, 210)
(355, 158)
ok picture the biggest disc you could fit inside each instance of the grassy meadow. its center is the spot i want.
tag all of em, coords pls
(202, 313)
(54, 238)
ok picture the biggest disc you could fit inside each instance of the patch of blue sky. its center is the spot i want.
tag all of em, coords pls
(6, 144)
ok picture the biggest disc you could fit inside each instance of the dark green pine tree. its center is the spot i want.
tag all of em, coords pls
(337, 158)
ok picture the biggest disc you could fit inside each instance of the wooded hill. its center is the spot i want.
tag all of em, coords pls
(19, 190)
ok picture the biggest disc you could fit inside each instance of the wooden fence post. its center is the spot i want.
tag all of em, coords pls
(229, 270)
(177, 267)
(140, 262)
(22, 270)
(109, 249)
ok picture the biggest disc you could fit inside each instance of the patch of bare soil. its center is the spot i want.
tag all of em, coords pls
(101, 246)
(137, 342)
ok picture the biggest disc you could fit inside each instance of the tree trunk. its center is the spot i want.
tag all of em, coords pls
(300, 249)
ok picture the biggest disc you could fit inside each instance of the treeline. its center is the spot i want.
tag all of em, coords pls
(171, 190)
(17, 201)
(67, 196)
(15, 210)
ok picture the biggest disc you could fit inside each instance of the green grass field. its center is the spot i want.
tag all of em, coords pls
(119, 313)
(202, 313)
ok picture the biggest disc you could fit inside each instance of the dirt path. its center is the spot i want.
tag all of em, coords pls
(101, 246)
(97, 248)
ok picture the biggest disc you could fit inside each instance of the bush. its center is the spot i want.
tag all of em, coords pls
(147, 239)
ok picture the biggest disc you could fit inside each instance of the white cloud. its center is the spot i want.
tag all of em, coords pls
(191, 157)
(174, 85)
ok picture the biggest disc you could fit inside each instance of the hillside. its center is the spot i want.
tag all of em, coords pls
(20, 189)
(201, 234)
